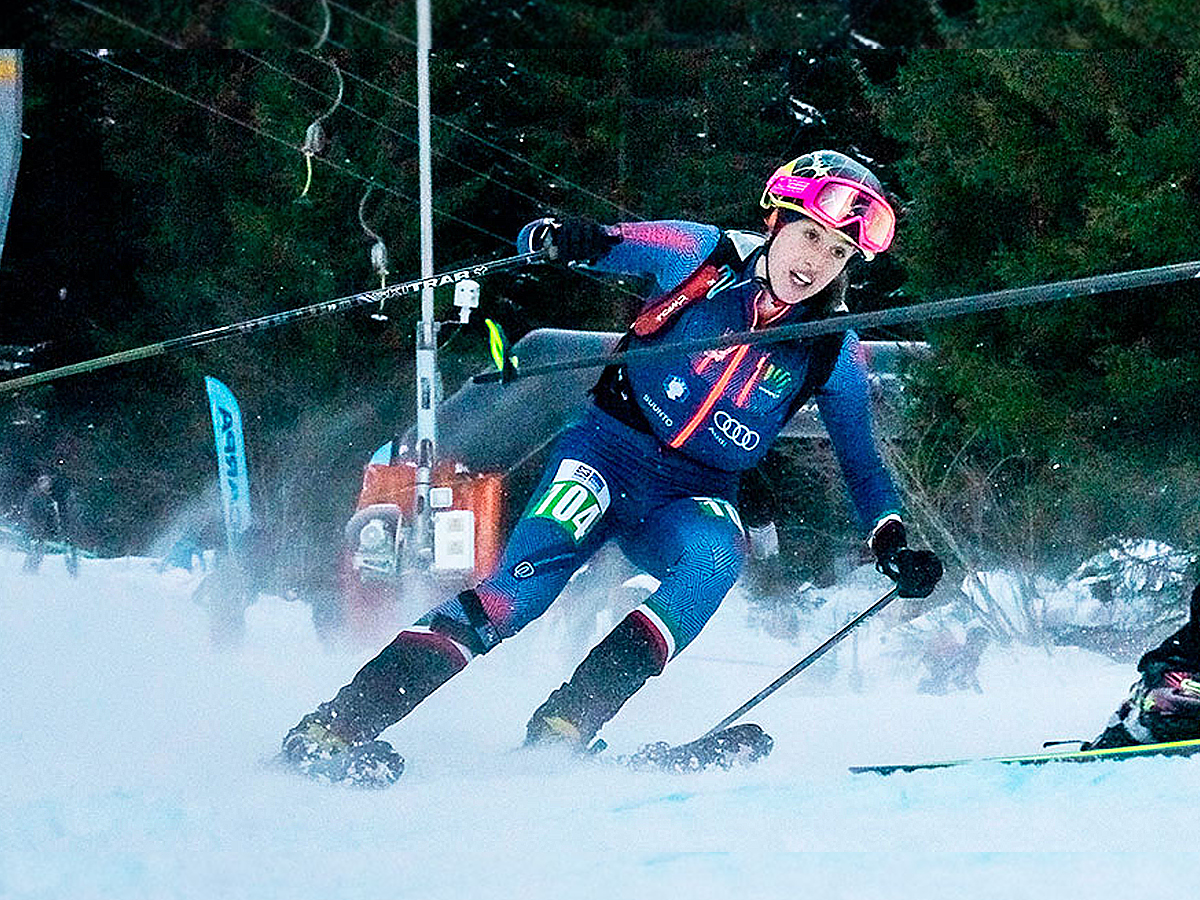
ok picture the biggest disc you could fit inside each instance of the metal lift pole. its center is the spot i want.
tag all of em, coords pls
(427, 380)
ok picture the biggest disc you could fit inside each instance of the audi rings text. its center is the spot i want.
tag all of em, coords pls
(742, 436)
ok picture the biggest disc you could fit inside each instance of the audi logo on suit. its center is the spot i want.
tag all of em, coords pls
(746, 438)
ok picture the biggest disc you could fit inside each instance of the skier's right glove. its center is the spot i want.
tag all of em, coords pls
(916, 572)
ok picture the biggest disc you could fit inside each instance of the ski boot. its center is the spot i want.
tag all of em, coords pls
(339, 741)
(311, 741)
(312, 749)
(611, 673)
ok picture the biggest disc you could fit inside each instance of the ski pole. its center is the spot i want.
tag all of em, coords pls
(916, 312)
(803, 664)
(250, 326)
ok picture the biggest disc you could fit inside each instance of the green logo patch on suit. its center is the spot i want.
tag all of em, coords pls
(720, 509)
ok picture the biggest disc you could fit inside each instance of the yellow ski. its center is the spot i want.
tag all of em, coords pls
(1172, 748)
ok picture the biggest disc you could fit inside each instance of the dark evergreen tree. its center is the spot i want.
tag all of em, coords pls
(1071, 421)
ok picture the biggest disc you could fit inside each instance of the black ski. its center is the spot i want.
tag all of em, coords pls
(1172, 748)
(736, 746)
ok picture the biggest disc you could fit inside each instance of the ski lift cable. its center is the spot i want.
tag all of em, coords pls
(336, 167)
(383, 125)
(265, 134)
(407, 198)
(387, 93)
(128, 24)
(133, 26)
(343, 170)
(917, 312)
(439, 119)
(629, 213)
(399, 133)
(275, 320)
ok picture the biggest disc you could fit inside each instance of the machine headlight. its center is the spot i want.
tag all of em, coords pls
(374, 535)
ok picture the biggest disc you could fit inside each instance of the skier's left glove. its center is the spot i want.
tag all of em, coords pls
(581, 240)
(916, 572)
(569, 239)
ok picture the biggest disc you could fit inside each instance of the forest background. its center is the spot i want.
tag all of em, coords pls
(162, 191)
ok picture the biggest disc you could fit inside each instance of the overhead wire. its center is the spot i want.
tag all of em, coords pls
(128, 24)
(488, 143)
(296, 22)
(265, 134)
(392, 95)
(617, 286)
(322, 35)
(368, 20)
(383, 125)
(456, 127)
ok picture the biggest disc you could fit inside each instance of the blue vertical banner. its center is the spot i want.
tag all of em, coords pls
(10, 132)
(231, 460)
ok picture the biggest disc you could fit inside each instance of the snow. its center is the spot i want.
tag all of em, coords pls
(133, 759)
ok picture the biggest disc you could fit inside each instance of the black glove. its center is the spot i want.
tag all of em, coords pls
(916, 572)
(580, 240)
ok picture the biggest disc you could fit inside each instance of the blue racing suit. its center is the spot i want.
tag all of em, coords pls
(654, 463)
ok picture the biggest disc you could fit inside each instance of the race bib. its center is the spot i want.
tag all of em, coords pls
(576, 499)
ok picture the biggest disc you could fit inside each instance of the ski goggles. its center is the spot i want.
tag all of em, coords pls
(838, 203)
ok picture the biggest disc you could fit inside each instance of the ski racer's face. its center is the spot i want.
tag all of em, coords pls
(801, 261)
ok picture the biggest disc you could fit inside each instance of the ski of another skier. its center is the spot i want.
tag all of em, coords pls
(376, 765)
(1137, 751)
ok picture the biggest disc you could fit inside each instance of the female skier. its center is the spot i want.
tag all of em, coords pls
(654, 463)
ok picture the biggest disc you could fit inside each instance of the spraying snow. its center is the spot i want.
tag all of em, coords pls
(133, 766)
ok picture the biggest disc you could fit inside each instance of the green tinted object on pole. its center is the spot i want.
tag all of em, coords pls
(502, 358)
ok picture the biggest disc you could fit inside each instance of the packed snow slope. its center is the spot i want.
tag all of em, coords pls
(132, 765)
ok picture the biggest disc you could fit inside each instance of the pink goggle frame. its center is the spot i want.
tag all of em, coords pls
(837, 202)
